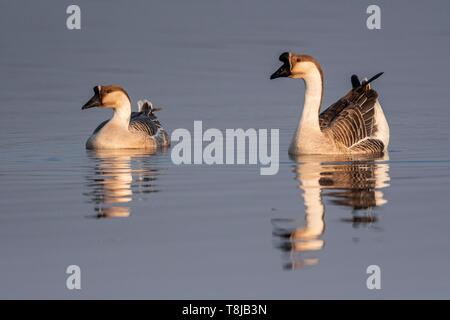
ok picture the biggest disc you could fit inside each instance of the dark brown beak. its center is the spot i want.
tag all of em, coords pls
(282, 72)
(95, 101)
(285, 69)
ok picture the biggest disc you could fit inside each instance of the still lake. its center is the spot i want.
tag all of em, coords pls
(141, 227)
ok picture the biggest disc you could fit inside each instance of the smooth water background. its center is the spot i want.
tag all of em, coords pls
(214, 232)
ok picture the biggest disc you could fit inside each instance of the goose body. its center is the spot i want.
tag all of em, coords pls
(355, 124)
(126, 129)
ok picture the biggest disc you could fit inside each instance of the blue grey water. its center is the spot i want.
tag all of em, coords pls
(141, 227)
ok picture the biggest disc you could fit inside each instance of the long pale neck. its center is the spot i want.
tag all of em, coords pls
(122, 114)
(313, 99)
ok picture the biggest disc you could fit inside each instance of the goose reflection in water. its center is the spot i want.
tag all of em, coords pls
(354, 183)
(118, 176)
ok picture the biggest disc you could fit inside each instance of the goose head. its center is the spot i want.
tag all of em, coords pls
(296, 66)
(112, 96)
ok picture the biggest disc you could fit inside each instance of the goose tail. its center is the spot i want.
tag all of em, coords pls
(356, 83)
(146, 106)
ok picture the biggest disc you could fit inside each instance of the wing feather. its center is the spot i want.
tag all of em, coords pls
(144, 123)
(369, 146)
(351, 119)
(148, 123)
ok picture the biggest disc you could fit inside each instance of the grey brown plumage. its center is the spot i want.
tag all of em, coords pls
(148, 123)
(141, 122)
(144, 121)
(126, 129)
(350, 121)
(355, 124)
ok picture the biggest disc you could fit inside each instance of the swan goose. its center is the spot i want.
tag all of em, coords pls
(126, 129)
(355, 124)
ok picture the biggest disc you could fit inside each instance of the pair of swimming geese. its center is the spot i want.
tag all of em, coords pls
(355, 124)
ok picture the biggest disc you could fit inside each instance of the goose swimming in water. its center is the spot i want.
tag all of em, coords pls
(126, 129)
(355, 124)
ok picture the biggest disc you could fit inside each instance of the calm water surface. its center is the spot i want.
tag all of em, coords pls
(141, 227)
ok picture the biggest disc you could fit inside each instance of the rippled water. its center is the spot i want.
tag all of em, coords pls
(141, 227)
(355, 184)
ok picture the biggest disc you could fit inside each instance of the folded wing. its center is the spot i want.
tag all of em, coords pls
(350, 120)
